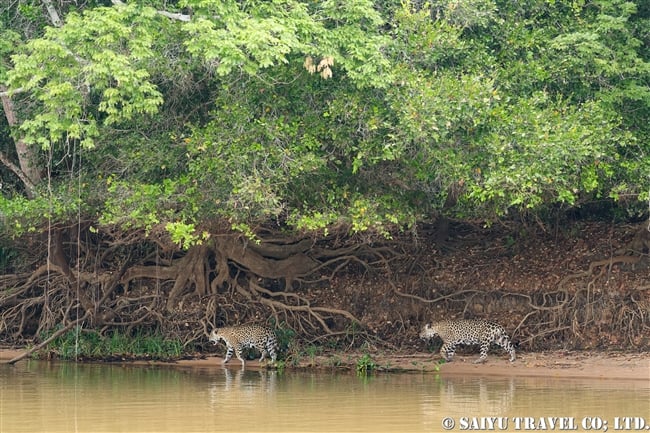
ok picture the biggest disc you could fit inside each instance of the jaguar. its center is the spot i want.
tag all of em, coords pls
(477, 331)
(239, 337)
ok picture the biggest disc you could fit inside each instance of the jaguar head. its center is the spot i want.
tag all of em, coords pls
(214, 337)
(427, 332)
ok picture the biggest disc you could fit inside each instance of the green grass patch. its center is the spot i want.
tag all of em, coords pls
(88, 344)
(365, 365)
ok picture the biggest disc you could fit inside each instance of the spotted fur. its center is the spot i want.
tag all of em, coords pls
(455, 332)
(239, 337)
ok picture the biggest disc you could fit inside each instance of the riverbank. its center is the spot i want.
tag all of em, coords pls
(555, 364)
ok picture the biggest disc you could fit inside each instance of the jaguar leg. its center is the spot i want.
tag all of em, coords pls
(263, 355)
(272, 352)
(484, 352)
(238, 353)
(448, 351)
(507, 345)
(228, 355)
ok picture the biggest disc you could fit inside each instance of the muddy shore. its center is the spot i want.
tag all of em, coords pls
(557, 364)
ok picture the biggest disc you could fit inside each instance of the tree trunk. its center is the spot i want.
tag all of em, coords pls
(27, 155)
(53, 14)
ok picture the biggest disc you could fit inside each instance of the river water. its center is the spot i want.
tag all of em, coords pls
(66, 397)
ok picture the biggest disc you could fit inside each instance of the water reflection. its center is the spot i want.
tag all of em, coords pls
(233, 389)
(477, 395)
(41, 396)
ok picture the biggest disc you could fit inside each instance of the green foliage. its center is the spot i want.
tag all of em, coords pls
(145, 205)
(258, 35)
(520, 142)
(184, 235)
(365, 365)
(601, 53)
(423, 42)
(19, 215)
(286, 337)
(546, 153)
(320, 116)
(98, 57)
(279, 366)
(80, 343)
(9, 39)
(311, 351)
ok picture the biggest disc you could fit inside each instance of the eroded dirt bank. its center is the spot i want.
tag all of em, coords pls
(548, 364)
(581, 287)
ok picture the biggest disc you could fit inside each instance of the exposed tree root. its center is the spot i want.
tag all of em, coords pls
(325, 289)
(45, 342)
(132, 283)
(580, 312)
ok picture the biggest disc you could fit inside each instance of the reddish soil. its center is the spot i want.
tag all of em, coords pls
(518, 281)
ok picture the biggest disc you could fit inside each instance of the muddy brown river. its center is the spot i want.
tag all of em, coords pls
(37, 396)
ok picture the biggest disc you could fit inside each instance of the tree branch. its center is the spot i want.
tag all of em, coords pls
(170, 15)
(54, 15)
(29, 186)
(58, 333)
(28, 171)
(175, 16)
(7, 93)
